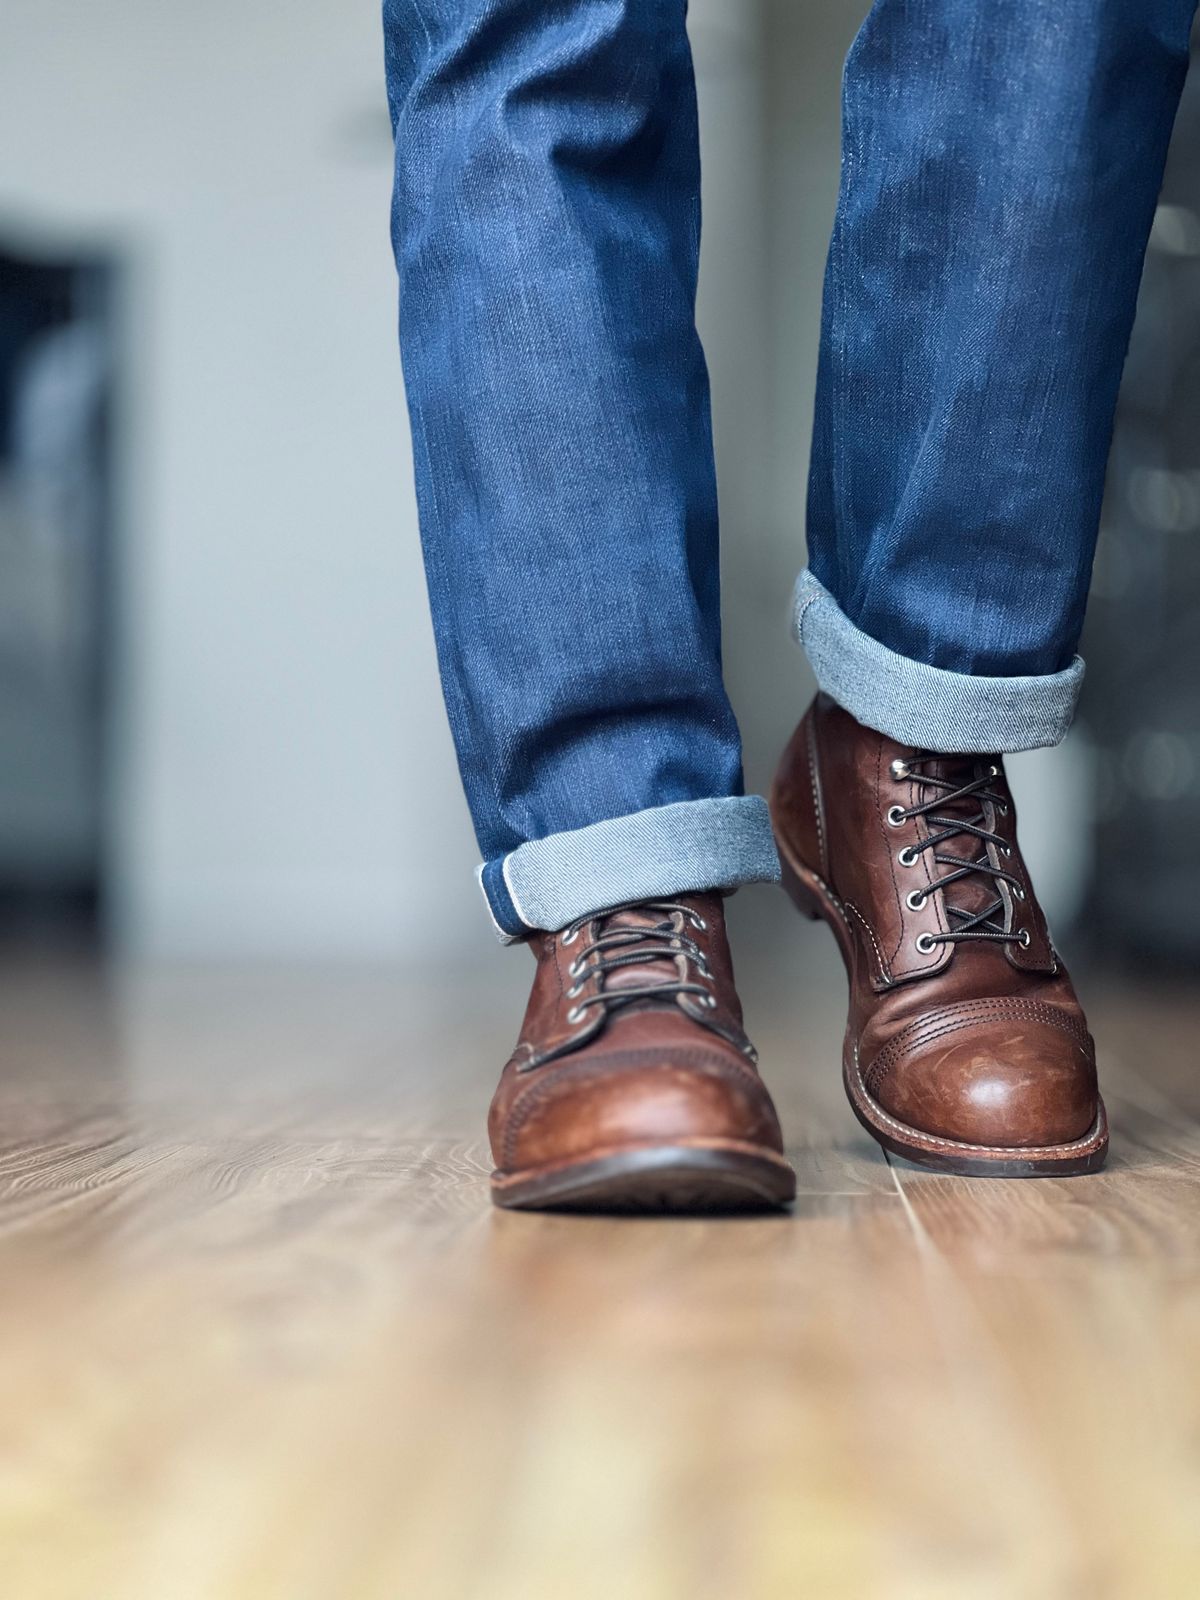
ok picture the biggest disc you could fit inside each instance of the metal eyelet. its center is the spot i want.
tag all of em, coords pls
(699, 924)
(574, 991)
(709, 1001)
(907, 857)
(915, 899)
(1024, 938)
(993, 772)
(926, 943)
(900, 770)
(576, 1014)
(1018, 891)
(896, 817)
(1006, 850)
(570, 938)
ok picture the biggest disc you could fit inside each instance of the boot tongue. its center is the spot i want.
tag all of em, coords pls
(638, 974)
(977, 891)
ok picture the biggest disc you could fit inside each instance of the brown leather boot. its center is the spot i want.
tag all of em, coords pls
(966, 1048)
(633, 1086)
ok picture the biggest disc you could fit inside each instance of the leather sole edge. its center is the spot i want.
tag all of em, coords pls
(959, 1159)
(679, 1179)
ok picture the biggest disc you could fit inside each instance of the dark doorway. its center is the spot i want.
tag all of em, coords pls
(56, 493)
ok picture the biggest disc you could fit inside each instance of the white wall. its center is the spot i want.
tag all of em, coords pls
(286, 782)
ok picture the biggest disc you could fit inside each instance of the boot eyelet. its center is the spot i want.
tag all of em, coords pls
(900, 770)
(925, 943)
(708, 1001)
(915, 899)
(1006, 850)
(1018, 891)
(907, 857)
(993, 772)
(574, 991)
(699, 924)
(575, 1015)
(896, 817)
(570, 938)
(1024, 938)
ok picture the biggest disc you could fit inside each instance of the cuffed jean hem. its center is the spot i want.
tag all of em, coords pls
(669, 850)
(924, 706)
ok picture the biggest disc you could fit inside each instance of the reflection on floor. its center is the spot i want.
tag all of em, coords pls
(263, 1336)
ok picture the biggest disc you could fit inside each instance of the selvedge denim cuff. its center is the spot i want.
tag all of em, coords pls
(667, 850)
(925, 706)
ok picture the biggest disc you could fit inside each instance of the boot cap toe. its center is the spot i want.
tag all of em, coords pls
(613, 1100)
(1020, 1080)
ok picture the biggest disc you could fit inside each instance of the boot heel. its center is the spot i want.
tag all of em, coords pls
(801, 896)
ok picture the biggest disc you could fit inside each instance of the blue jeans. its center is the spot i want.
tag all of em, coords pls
(1001, 165)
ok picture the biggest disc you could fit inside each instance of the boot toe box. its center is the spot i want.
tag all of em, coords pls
(620, 1100)
(1016, 1082)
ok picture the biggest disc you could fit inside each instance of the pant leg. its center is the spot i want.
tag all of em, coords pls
(1001, 165)
(546, 230)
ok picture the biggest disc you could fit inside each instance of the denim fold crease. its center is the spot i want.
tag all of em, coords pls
(960, 713)
(683, 848)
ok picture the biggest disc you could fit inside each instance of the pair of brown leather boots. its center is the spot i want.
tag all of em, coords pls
(634, 1087)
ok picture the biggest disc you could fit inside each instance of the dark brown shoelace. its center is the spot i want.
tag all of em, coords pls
(980, 924)
(627, 945)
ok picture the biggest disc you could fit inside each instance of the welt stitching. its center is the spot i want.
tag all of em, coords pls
(992, 1006)
(883, 966)
(889, 1058)
(932, 1141)
(912, 1036)
(891, 859)
(818, 804)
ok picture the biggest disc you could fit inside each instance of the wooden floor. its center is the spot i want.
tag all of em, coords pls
(263, 1337)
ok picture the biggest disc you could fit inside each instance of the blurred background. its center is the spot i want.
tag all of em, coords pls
(221, 734)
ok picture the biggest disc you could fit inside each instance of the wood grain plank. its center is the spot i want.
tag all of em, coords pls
(263, 1338)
